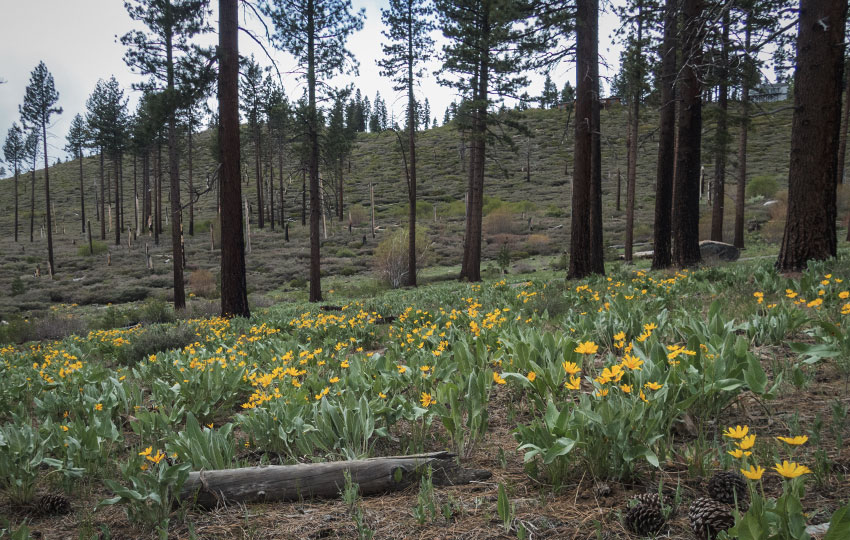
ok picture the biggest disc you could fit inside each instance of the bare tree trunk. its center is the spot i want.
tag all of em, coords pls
(315, 210)
(687, 181)
(135, 198)
(52, 267)
(158, 221)
(631, 158)
(845, 119)
(722, 138)
(16, 202)
(580, 241)
(271, 188)
(191, 186)
(115, 165)
(102, 198)
(810, 232)
(303, 197)
(257, 161)
(82, 197)
(411, 127)
(741, 191)
(234, 290)
(471, 266)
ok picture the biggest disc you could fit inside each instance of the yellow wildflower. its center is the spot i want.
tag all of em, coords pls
(798, 440)
(737, 432)
(753, 473)
(587, 347)
(789, 469)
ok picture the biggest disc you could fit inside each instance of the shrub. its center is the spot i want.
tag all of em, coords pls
(97, 248)
(500, 221)
(390, 258)
(345, 252)
(763, 185)
(202, 283)
(358, 214)
(537, 243)
(453, 209)
(553, 210)
(18, 286)
(156, 310)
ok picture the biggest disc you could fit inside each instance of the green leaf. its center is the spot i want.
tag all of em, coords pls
(839, 524)
(561, 447)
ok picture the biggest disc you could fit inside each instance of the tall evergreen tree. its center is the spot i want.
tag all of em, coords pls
(336, 147)
(568, 94)
(482, 56)
(662, 254)
(14, 154)
(39, 105)
(686, 182)
(174, 64)
(315, 32)
(77, 139)
(810, 232)
(234, 290)
(549, 96)
(409, 44)
(721, 136)
(252, 106)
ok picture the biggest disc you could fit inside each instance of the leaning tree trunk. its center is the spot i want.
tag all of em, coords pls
(234, 290)
(687, 180)
(741, 191)
(810, 225)
(580, 241)
(722, 138)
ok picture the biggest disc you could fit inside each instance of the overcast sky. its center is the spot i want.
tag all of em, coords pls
(77, 41)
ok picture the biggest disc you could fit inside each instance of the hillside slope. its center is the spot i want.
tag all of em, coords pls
(274, 265)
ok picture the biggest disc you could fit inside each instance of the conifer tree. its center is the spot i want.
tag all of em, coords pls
(77, 139)
(483, 60)
(408, 25)
(549, 97)
(810, 232)
(315, 32)
(234, 289)
(39, 105)
(176, 66)
(14, 154)
(252, 106)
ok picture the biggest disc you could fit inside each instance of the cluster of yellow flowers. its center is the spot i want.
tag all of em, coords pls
(744, 442)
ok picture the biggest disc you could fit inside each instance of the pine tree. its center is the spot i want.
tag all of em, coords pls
(568, 94)
(482, 57)
(408, 25)
(686, 182)
(337, 142)
(39, 105)
(31, 152)
(14, 154)
(315, 32)
(426, 115)
(549, 96)
(810, 232)
(77, 139)
(175, 65)
(252, 106)
(662, 231)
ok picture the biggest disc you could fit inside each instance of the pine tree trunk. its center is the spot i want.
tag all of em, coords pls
(16, 201)
(32, 203)
(687, 182)
(158, 219)
(115, 164)
(102, 197)
(471, 267)
(597, 249)
(282, 200)
(82, 197)
(303, 197)
(174, 180)
(845, 120)
(722, 138)
(135, 199)
(580, 233)
(121, 187)
(810, 232)
(741, 191)
(234, 290)
(313, 121)
(191, 187)
(661, 256)
(257, 161)
(52, 267)
(631, 159)
(411, 127)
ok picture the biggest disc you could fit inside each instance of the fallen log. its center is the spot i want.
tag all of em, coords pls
(321, 480)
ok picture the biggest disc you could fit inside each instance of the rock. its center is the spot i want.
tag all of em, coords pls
(710, 250)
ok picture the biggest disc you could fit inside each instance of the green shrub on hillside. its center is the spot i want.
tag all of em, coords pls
(96, 249)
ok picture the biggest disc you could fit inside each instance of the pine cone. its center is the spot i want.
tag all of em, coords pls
(708, 517)
(52, 505)
(645, 516)
(726, 485)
